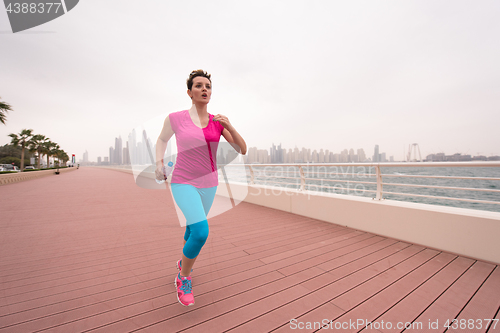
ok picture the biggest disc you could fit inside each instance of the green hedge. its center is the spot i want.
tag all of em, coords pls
(29, 170)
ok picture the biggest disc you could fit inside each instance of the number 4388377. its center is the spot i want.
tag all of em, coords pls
(470, 323)
(33, 8)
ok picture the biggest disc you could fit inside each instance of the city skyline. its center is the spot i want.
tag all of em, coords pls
(137, 152)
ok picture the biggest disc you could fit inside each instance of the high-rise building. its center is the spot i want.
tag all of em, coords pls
(306, 155)
(261, 155)
(99, 160)
(296, 155)
(132, 147)
(111, 155)
(85, 157)
(376, 154)
(283, 155)
(118, 151)
(257, 156)
(276, 154)
(351, 155)
(252, 155)
(145, 150)
(361, 155)
(126, 156)
(344, 156)
(314, 156)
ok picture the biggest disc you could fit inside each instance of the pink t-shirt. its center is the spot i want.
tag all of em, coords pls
(196, 150)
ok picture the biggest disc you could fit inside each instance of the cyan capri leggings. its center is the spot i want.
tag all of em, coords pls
(195, 204)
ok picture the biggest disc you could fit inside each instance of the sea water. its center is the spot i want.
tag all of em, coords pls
(345, 180)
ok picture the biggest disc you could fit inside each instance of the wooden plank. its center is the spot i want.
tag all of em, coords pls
(482, 307)
(449, 304)
(369, 243)
(66, 304)
(303, 234)
(376, 297)
(282, 314)
(317, 286)
(348, 276)
(218, 292)
(216, 282)
(412, 305)
(495, 325)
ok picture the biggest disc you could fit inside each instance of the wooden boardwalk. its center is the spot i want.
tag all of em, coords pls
(90, 251)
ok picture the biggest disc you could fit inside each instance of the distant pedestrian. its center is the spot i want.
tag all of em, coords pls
(194, 179)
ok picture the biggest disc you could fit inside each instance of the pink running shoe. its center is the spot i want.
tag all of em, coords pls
(184, 290)
(179, 265)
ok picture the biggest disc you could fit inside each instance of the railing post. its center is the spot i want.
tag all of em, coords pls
(379, 183)
(252, 182)
(302, 179)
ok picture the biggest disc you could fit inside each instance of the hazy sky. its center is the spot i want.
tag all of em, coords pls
(315, 74)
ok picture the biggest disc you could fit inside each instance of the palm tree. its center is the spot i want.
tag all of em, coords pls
(22, 139)
(44, 149)
(64, 157)
(47, 148)
(4, 108)
(36, 145)
(59, 154)
(53, 152)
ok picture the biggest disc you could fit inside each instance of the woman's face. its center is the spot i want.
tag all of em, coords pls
(201, 90)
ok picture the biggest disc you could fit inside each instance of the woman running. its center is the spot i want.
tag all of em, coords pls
(194, 179)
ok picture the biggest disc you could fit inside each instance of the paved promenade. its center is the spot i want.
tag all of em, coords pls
(89, 250)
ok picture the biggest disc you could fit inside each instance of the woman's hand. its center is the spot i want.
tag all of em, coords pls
(224, 121)
(159, 172)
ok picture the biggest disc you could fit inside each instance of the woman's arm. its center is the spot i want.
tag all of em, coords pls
(161, 146)
(235, 139)
(231, 134)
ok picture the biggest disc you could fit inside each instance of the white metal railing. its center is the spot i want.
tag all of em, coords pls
(379, 177)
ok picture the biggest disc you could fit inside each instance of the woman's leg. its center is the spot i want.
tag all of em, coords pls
(189, 200)
(192, 246)
(207, 196)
